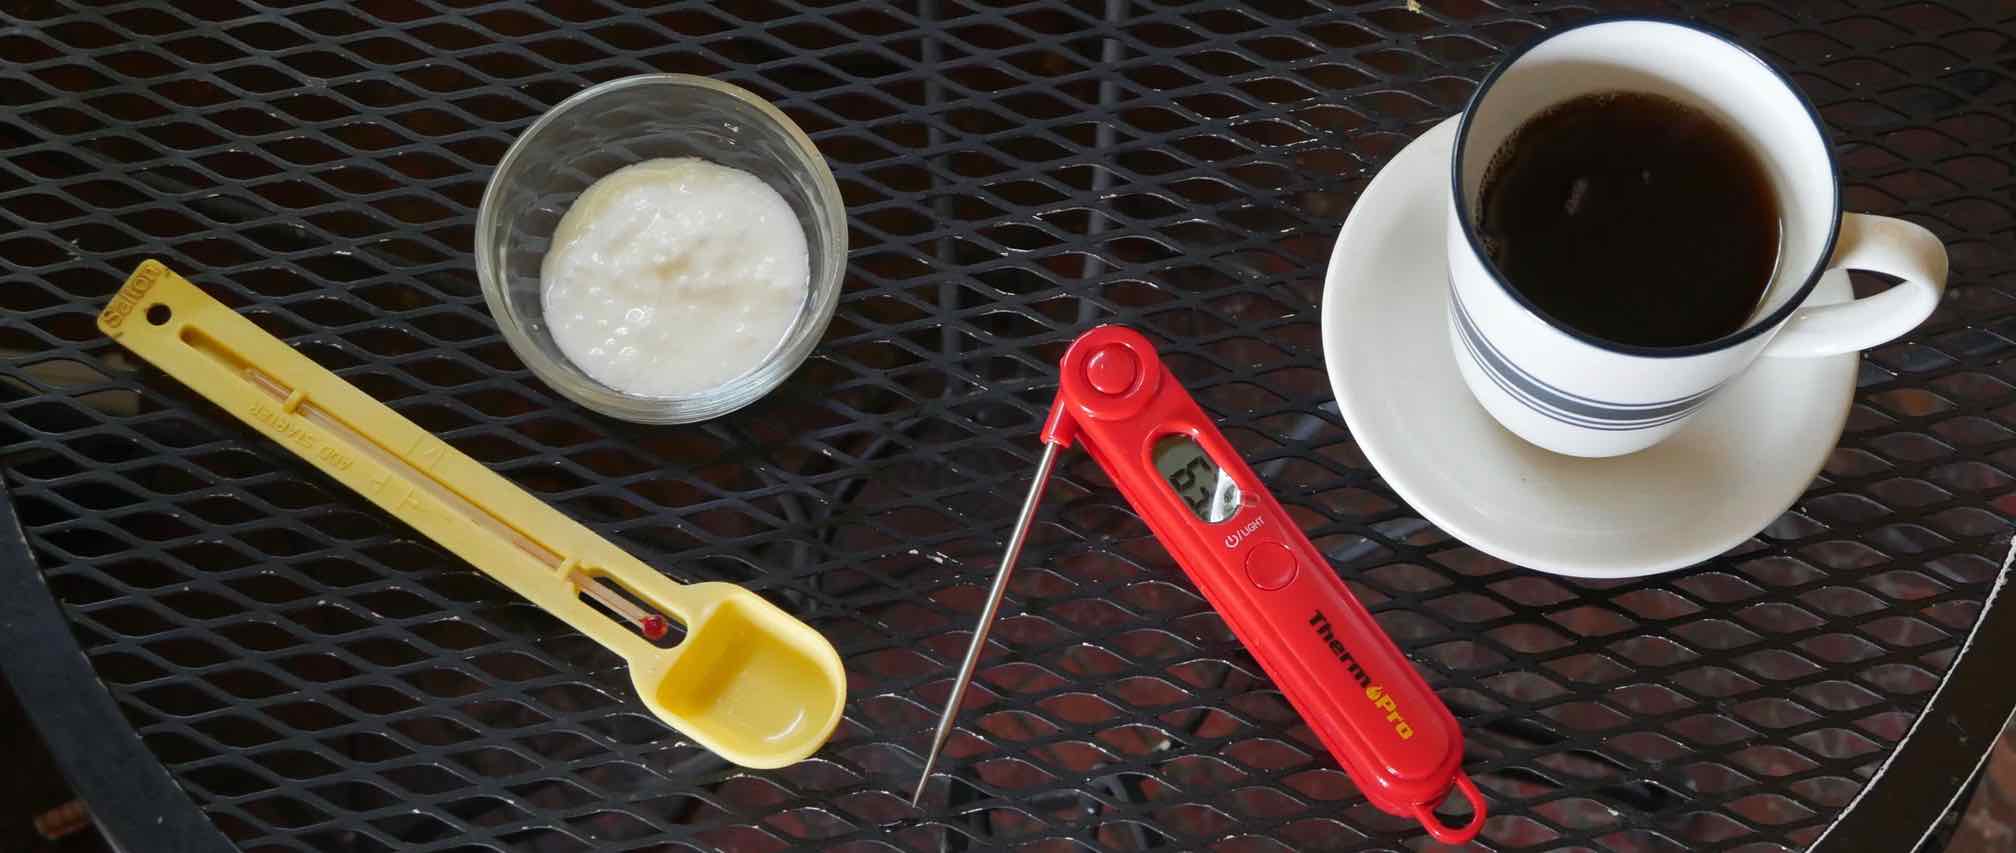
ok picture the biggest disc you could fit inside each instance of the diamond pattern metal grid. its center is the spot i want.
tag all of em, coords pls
(319, 679)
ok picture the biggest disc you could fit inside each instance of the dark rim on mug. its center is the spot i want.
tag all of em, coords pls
(1749, 330)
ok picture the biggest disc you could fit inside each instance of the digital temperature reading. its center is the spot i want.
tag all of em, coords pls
(1207, 490)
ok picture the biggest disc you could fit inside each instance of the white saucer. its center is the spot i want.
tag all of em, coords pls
(1739, 464)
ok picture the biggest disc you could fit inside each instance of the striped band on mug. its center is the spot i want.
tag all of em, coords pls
(1563, 406)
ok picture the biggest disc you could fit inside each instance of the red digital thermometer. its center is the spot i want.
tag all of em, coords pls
(1356, 690)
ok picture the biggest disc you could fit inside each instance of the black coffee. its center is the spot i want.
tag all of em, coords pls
(1633, 218)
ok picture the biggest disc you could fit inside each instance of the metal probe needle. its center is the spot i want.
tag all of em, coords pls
(972, 662)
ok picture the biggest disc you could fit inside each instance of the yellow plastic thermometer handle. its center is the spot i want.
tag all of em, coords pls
(749, 682)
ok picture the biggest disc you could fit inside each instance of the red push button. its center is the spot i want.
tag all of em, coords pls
(1269, 565)
(1111, 370)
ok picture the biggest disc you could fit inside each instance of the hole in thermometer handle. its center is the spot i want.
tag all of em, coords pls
(1358, 692)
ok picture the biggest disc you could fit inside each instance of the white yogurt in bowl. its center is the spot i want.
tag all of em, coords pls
(663, 248)
(674, 276)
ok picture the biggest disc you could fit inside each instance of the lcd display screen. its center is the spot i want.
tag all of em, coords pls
(1205, 488)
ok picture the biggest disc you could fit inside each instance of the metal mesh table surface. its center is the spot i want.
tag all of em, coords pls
(317, 677)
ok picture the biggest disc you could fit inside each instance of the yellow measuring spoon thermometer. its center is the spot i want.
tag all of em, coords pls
(748, 681)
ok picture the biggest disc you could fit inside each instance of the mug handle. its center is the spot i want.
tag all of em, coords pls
(1877, 244)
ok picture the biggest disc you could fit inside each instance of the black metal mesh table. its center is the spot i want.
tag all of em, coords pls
(315, 677)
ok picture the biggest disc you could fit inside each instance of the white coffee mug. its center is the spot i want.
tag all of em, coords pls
(1575, 393)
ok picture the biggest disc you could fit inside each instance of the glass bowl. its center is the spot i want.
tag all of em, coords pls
(615, 124)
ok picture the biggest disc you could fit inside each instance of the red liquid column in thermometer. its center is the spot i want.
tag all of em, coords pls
(1361, 696)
